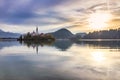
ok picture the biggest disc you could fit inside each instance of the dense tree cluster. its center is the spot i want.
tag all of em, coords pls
(38, 37)
(105, 34)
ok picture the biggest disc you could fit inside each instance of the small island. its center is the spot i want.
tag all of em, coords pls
(36, 37)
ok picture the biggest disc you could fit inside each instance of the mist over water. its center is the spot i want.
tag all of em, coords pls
(60, 60)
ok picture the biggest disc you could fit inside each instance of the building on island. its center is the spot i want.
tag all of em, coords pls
(36, 36)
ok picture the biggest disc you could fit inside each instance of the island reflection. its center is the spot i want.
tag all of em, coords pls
(63, 45)
(81, 60)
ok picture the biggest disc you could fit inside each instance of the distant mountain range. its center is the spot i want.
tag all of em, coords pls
(59, 34)
(62, 34)
(66, 34)
(4, 34)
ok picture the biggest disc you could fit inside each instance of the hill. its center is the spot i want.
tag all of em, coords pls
(62, 34)
(4, 34)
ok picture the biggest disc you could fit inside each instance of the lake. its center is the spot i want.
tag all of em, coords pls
(61, 60)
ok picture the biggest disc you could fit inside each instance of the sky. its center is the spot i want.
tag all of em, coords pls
(22, 16)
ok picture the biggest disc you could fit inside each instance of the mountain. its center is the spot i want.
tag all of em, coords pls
(4, 34)
(62, 34)
(1, 31)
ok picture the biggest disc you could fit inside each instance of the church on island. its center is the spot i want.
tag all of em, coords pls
(36, 36)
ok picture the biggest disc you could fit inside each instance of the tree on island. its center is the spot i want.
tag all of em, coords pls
(35, 36)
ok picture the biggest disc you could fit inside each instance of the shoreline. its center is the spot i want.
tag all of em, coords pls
(99, 40)
(16, 39)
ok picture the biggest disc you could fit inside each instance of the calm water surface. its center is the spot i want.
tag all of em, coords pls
(62, 60)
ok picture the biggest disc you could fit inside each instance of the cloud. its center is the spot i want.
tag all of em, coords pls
(17, 12)
(52, 12)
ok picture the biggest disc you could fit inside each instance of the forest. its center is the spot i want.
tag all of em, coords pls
(104, 34)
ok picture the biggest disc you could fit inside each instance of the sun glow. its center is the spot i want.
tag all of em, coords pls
(99, 20)
(98, 56)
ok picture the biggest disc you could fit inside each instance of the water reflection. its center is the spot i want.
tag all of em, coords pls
(98, 56)
(63, 45)
(8, 44)
(101, 44)
(60, 60)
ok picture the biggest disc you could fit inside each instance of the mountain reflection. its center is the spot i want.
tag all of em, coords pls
(8, 44)
(63, 45)
(60, 60)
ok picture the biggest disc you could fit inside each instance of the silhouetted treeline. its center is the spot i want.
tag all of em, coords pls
(36, 37)
(105, 34)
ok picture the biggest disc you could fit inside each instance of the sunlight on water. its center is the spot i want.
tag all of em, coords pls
(98, 56)
(63, 60)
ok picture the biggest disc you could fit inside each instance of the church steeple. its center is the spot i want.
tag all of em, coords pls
(36, 30)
